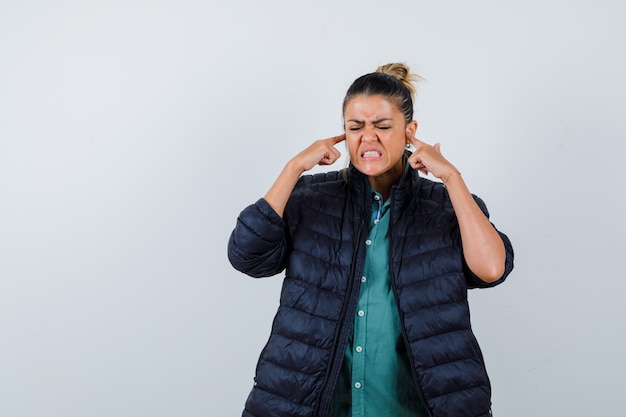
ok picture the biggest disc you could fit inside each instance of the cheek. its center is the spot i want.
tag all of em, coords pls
(352, 144)
(396, 142)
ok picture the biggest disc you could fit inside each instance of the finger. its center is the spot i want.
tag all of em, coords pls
(327, 161)
(414, 160)
(330, 156)
(337, 139)
(416, 163)
(415, 141)
(419, 167)
(334, 153)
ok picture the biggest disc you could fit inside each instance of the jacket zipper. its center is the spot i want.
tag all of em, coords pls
(395, 294)
(347, 314)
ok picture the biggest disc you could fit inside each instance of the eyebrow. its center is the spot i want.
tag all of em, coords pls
(386, 119)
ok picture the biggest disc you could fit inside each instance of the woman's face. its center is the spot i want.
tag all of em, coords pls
(376, 135)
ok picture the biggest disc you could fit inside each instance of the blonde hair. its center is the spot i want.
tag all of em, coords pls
(393, 81)
(402, 73)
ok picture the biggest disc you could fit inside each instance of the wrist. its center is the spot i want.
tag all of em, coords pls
(451, 176)
(295, 167)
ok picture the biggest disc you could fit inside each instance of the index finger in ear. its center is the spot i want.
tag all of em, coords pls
(336, 139)
(415, 141)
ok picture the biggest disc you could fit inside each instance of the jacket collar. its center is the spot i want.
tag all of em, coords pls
(401, 194)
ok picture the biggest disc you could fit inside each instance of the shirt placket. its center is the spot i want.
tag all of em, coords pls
(360, 328)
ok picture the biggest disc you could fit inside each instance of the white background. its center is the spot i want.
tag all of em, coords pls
(133, 132)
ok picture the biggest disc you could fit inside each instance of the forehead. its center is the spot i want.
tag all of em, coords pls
(364, 107)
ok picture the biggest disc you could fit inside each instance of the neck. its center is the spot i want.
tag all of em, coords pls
(382, 183)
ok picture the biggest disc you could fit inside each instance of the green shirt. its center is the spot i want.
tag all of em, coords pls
(376, 378)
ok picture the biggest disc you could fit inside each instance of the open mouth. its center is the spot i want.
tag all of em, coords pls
(371, 154)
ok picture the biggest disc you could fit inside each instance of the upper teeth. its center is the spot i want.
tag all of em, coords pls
(370, 153)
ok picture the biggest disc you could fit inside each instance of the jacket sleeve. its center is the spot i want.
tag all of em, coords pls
(258, 244)
(475, 282)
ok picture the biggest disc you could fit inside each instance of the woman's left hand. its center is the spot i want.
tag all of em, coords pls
(428, 159)
(483, 247)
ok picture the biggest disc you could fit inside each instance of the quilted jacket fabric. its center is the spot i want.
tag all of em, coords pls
(319, 243)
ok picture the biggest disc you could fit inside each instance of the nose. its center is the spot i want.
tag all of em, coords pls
(369, 134)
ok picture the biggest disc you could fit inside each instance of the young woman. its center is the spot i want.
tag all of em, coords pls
(373, 317)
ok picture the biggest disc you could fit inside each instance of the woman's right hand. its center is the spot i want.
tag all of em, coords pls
(321, 152)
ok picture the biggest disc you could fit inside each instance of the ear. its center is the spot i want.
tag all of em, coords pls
(411, 127)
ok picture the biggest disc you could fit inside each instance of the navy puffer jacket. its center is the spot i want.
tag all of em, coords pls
(320, 243)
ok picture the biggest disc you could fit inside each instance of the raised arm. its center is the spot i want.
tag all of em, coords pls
(321, 152)
(258, 244)
(483, 248)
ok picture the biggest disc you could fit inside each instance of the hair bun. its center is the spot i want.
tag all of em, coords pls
(402, 73)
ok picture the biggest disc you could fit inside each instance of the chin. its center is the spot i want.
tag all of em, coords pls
(371, 171)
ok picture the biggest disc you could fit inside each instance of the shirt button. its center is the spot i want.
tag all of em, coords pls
(376, 197)
(376, 221)
(368, 242)
(357, 385)
(363, 279)
(361, 313)
(359, 349)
